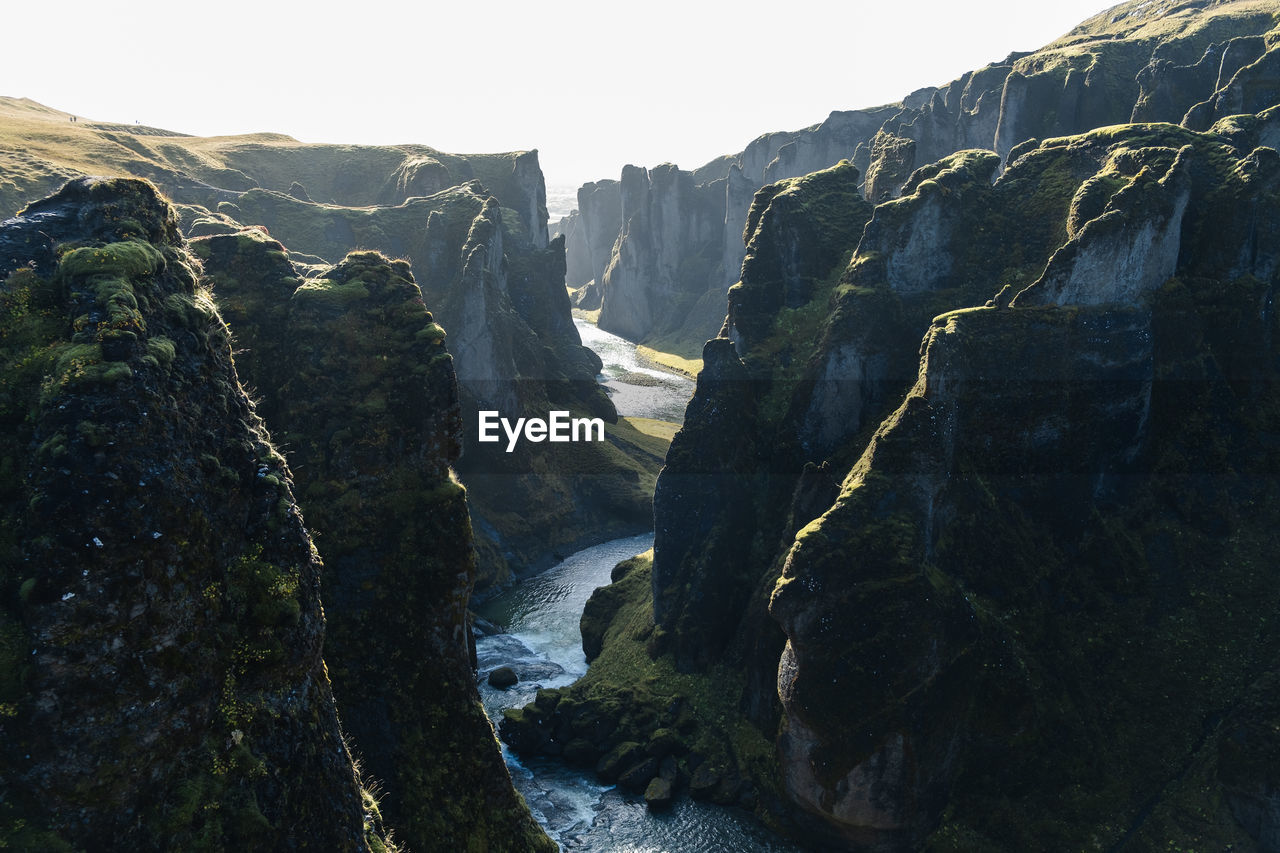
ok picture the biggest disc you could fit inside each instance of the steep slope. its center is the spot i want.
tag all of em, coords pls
(1182, 62)
(1029, 607)
(161, 620)
(356, 381)
(1056, 523)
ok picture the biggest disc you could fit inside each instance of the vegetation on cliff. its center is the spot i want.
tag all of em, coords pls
(1055, 476)
(160, 608)
(355, 377)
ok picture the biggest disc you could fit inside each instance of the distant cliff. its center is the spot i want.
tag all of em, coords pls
(1190, 63)
(161, 684)
(1007, 589)
(474, 230)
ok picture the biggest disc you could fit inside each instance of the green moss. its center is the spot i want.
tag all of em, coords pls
(327, 295)
(267, 592)
(81, 365)
(131, 259)
(161, 349)
(1091, 199)
(431, 333)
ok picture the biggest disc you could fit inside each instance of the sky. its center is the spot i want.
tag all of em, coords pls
(591, 85)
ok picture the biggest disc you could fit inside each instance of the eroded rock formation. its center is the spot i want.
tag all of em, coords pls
(355, 377)
(162, 627)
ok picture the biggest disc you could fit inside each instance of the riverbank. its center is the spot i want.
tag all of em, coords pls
(542, 645)
(667, 355)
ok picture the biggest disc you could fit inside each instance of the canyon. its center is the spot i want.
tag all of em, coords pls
(965, 541)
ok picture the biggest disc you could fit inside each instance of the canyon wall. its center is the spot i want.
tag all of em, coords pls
(1181, 63)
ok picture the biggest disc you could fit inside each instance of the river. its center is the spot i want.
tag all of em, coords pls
(544, 647)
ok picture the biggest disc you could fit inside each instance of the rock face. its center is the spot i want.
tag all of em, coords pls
(600, 220)
(1137, 62)
(670, 232)
(1091, 371)
(1080, 450)
(1127, 251)
(1047, 485)
(355, 377)
(162, 682)
(912, 242)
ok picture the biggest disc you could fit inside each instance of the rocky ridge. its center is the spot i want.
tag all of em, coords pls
(356, 381)
(1182, 62)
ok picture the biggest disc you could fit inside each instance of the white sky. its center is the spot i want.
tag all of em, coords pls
(591, 85)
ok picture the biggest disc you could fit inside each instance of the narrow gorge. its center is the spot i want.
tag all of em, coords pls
(935, 508)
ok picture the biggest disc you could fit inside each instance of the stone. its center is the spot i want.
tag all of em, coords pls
(636, 777)
(503, 677)
(658, 794)
(620, 758)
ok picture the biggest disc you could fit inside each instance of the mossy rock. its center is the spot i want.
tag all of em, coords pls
(659, 795)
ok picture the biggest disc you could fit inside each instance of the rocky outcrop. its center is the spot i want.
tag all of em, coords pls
(704, 491)
(1167, 89)
(577, 261)
(887, 791)
(658, 272)
(1067, 451)
(356, 380)
(1130, 249)
(1248, 81)
(600, 209)
(912, 243)
(162, 681)
(892, 162)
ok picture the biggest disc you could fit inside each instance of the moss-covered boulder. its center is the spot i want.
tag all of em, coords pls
(159, 595)
(354, 371)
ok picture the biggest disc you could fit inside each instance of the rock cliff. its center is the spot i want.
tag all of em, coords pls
(667, 247)
(1029, 511)
(1192, 63)
(162, 682)
(356, 381)
(1002, 560)
(589, 244)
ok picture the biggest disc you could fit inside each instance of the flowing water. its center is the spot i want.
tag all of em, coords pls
(543, 645)
(637, 387)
